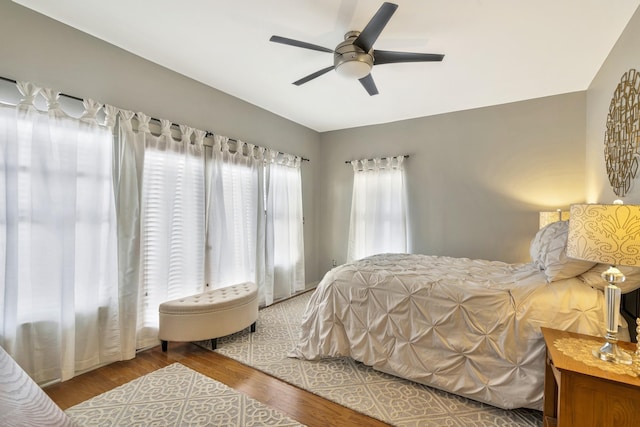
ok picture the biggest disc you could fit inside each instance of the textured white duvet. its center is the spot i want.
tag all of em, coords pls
(470, 327)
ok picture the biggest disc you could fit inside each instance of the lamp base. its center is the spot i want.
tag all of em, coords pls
(610, 352)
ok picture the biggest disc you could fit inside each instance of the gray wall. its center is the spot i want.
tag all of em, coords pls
(624, 56)
(477, 179)
(50, 54)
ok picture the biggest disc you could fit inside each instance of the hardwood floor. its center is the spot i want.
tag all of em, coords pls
(298, 404)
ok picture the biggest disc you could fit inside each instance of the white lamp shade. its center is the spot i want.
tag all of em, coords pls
(607, 234)
(547, 217)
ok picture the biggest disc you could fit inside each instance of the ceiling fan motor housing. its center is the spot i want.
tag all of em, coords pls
(350, 60)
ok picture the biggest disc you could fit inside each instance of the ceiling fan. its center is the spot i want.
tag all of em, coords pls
(355, 56)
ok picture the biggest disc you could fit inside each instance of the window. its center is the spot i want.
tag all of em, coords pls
(378, 208)
(172, 226)
(59, 287)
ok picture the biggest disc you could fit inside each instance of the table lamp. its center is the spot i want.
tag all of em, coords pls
(547, 217)
(607, 234)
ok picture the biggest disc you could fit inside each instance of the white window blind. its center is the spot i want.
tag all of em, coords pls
(172, 226)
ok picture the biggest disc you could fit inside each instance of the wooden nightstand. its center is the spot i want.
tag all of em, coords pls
(579, 395)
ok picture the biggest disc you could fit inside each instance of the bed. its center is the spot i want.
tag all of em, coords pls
(469, 327)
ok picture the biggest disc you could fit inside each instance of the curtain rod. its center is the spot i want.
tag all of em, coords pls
(406, 156)
(208, 133)
(61, 94)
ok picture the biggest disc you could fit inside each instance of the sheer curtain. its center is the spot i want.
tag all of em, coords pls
(254, 220)
(172, 225)
(58, 257)
(378, 208)
(79, 288)
(128, 162)
(235, 219)
(284, 245)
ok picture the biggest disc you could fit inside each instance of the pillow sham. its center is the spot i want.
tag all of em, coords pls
(540, 243)
(548, 252)
(535, 248)
(593, 277)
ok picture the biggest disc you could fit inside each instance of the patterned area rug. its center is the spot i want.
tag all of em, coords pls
(175, 396)
(354, 385)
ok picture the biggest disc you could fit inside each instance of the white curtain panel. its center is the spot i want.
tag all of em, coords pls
(59, 309)
(128, 162)
(284, 252)
(235, 220)
(378, 221)
(172, 222)
(79, 288)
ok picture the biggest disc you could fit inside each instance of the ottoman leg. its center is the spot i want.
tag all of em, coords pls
(214, 343)
(164, 345)
(253, 327)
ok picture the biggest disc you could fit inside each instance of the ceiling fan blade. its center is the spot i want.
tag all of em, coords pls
(370, 34)
(313, 76)
(298, 43)
(388, 57)
(369, 84)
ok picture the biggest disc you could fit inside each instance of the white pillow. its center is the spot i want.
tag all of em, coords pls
(593, 278)
(534, 250)
(548, 252)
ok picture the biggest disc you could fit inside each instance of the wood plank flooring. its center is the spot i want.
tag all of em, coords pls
(298, 404)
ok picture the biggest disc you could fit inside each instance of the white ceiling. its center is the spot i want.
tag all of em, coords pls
(496, 51)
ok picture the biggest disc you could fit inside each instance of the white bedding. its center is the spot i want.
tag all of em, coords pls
(470, 327)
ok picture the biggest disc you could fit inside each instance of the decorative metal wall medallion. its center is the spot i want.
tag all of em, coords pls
(622, 137)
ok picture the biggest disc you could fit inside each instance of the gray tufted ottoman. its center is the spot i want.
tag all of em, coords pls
(209, 315)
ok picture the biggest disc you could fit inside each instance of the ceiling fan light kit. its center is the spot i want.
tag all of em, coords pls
(355, 56)
(350, 60)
